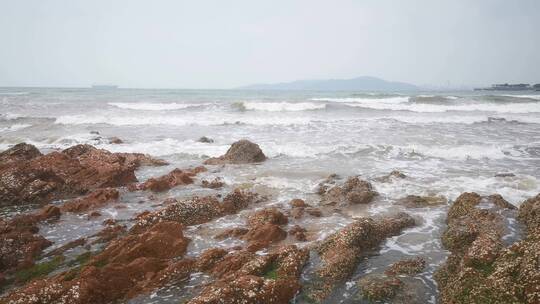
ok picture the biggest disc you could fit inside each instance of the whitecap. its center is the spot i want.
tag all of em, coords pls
(146, 106)
(283, 106)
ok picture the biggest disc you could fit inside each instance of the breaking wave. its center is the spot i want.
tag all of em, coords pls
(146, 106)
(279, 106)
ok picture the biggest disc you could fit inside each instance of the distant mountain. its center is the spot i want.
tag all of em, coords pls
(364, 83)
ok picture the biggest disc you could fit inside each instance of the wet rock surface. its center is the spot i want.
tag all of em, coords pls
(481, 269)
(416, 201)
(353, 191)
(71, 172)
(245, 277)
(172, 179)
(240, 152)
(341, 252)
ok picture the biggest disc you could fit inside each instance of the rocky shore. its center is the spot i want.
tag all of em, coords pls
(267, 258)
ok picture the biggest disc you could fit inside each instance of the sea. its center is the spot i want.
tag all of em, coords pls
(446, 143)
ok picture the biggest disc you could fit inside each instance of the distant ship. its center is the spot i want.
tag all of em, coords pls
(104, 87)
(510, 87)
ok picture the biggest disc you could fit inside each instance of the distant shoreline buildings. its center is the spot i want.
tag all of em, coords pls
(511, 87)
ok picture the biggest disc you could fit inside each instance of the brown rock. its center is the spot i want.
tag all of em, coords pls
(377, 287)
(115, 140)
(267, 216)
(249, 278)
(18, 153)
(241, 152)
(407, 267)
(94, 200)
(233, 232)
(58, 175)
(341, 252)
(298, 232)
(298, 203)
(172, 179)
(353, 191)
(216, 183)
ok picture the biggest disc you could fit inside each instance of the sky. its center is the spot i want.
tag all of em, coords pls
(225, 44)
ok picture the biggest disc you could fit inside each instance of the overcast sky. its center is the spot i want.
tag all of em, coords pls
(223, 44)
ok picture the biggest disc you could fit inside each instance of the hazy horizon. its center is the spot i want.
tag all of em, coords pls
(211, 44)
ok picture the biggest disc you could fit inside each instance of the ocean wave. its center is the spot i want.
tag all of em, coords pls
(530, 107)
(146, 106)
(280, 106)
(536, 97)
(208, 120)
(15, 127)
(14, 93)
(382, 100)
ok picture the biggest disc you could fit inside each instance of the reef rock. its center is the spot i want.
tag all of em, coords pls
(57, 175)
(480, 268)
(95, 199)
(172, 179)
(241, 152)
(197, 210)
(248, 278)
(415, 201)
(341, 252)
(353, 191)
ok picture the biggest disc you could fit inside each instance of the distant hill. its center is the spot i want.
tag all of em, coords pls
(364, 83)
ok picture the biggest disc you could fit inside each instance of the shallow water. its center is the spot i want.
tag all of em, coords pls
(446, 143)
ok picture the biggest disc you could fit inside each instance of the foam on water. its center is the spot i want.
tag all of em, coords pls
(146, 106)
(14, 127)
(283, 106)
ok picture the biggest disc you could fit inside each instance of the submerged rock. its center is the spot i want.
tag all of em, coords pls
(379, 287)
(353, 191)
(392, 176)
(216, 183)
(205, 139)
(241, 152)
(407, 267)
(95, 199)
(415, 201)
(57, 175)
(341, 252)
(480, 268)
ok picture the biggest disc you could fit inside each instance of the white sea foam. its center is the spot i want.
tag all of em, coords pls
(387, 100)
(15, 127)
(146, 106)
(537, 97)
(532, 107)
(207, 120)
(283, 106)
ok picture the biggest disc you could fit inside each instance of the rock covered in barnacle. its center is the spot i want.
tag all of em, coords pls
(480, 269)
(407, 266)
(57, 175)
(264, 228)
(172, 179)
(245, 277)
(197, 210)
(216, 183)
(353, 191)
(127, 267)
(341, 252)
(240, 152)
(19, 152)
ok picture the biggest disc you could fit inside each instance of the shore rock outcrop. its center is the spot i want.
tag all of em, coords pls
(480, 268)
(248, 278)
(241, 152)
(341, 252)
(20, 243)
(125, 268)
(197, 210)
(57, 175)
